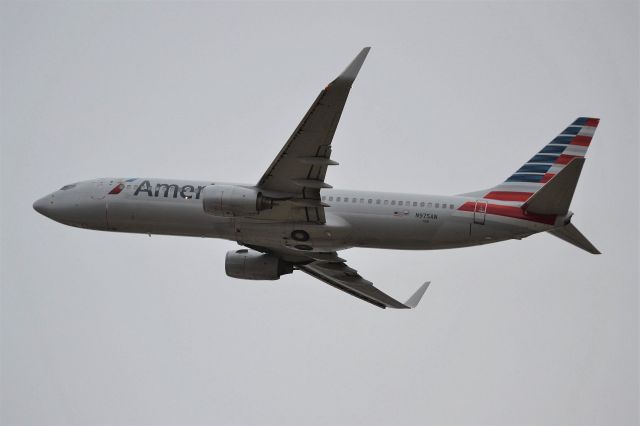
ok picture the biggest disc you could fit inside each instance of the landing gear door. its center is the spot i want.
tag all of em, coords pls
(479, 212)
(260, 233)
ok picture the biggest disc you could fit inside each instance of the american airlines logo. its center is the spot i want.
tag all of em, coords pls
(165, 190)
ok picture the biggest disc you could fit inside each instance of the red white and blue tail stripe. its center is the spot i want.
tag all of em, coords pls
(572, 143)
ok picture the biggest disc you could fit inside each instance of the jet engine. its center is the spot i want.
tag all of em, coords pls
(231, 200)
(251, 265)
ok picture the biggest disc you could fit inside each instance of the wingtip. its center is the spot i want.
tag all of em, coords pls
(350, 73)
(415, 298)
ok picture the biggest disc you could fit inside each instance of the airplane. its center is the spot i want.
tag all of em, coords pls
(292, 219)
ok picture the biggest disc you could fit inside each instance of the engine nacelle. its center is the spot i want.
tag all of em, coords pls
(251, 265)
(231, 200)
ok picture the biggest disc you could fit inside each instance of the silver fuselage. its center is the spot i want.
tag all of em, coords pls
(353, 218)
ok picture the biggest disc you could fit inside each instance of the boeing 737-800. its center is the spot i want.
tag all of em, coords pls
(291, 219)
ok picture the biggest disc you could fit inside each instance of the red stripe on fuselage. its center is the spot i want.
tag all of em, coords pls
(508, 195)
(510, 211)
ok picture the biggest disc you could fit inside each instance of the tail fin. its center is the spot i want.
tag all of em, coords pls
(545, 184)
(540, 170)
(570, 234)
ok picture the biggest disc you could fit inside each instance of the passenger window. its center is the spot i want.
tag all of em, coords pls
(399, 203)
(386, 202)
(324, 198)
(393, 202)
(415, 204)
(378, 201)
(361, 200)
(370, 201)
(338, 198)
(354, 200)
(437, 205)
(422, 204)
(451, 206)
(330, 198)
(429, 204)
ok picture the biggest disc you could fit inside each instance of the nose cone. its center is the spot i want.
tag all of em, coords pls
(41, 206)
(74, 206)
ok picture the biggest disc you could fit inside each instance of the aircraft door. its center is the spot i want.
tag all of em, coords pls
(479, 212)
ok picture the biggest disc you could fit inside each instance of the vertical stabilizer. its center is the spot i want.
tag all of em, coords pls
(569, 145)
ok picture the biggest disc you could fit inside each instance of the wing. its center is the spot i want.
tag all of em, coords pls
(342, 277)
(333, 270)
(300, 167)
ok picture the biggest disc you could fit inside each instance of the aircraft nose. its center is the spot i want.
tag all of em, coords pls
(41, 206)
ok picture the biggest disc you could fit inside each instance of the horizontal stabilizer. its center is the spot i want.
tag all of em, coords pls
(570, 234)
(555, 197)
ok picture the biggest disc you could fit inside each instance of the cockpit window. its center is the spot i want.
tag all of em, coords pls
(64, 188)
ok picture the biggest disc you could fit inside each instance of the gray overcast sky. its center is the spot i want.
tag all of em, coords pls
(115, 329)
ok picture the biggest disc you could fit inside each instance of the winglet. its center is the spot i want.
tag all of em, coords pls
(350, 73)
(413, 301)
